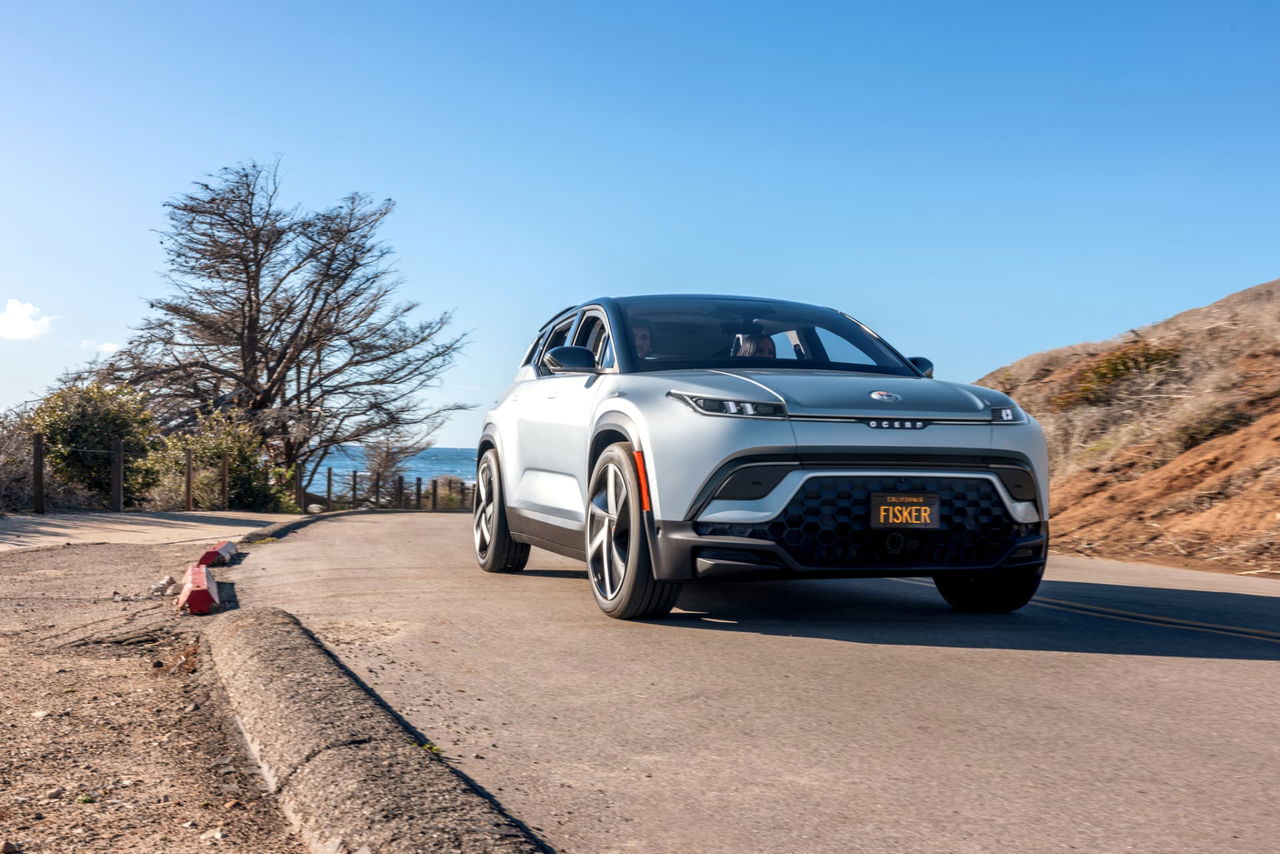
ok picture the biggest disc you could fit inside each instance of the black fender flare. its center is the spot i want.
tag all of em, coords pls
(617, 422)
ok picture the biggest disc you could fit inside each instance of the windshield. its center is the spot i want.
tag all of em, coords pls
(721, 332)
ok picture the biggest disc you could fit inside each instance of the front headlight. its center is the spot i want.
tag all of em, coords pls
(730, 407)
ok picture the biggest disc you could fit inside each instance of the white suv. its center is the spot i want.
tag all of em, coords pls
(666, 439)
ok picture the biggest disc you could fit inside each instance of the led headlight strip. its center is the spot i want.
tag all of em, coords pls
(730, 407)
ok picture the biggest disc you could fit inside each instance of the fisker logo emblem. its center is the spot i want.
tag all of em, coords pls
(897, 425)
(886, 396)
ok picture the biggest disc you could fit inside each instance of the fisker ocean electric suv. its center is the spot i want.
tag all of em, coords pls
(667, 439)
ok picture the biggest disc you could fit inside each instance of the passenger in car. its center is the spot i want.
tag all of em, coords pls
(757, 346)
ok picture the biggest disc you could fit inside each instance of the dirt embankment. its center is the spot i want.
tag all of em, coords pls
(1165, 442)
(111, 731)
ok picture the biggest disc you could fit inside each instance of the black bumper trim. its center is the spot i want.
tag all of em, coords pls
(683, 555)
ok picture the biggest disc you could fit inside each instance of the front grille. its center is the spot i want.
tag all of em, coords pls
(827, 524)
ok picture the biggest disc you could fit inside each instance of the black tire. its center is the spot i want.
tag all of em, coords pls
(996, 591)
(619, 564)
(495, 550)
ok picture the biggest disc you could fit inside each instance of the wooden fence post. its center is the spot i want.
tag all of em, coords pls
(399, 492)
(355, 488)
(328, 488)
(37, 473)
(117, 476)
(226, 483)
(417, 494)
(435, 494)
(188, 503)
(299, 496)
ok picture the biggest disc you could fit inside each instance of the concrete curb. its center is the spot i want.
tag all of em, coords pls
(280, 529)
(350, 776)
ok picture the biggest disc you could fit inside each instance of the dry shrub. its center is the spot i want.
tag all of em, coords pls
(1119, 408)
(170, 490)
(1099, 379)
(1209, 426)
(16, 482)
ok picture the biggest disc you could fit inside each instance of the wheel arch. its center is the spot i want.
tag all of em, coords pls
(613, 427)
(489, 442)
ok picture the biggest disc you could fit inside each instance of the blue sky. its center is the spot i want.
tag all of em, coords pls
(977, 181)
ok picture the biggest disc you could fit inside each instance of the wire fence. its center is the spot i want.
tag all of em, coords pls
(346, 489)
(197, 485)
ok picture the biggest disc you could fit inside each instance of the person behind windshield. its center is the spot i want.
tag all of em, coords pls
(642, 338)
(757, 346)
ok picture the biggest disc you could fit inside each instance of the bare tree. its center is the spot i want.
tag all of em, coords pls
(286, 316)
(387, 457)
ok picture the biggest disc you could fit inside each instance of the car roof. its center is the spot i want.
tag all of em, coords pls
(641, 299)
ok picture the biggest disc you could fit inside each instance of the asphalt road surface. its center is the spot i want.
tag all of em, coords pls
(1130, 708)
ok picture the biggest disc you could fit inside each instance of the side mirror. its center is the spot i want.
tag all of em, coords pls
(569, 360)
(922, 364)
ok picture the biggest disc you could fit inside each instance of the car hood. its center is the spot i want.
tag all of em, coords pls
(832, 393)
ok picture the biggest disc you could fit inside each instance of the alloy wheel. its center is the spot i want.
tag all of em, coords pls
(482, 516)
(609, 533)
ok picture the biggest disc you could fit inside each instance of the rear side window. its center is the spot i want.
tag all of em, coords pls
(557, 337)
(533, 348)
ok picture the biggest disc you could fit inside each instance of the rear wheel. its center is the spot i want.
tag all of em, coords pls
(618, 559)
(996, 591)
(495, 550)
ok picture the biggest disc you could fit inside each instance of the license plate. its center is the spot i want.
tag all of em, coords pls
(904, 510)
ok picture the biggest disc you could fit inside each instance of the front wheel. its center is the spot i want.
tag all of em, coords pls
(496, 551)
(997, 591)
(618, 559)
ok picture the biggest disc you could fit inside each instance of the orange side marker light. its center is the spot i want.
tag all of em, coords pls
(643, 476)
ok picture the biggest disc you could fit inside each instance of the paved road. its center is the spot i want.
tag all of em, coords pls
(1134, 708)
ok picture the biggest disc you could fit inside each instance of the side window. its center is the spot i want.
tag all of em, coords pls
(594, 335)
(784, 345)
(557, 337)
(604, 355)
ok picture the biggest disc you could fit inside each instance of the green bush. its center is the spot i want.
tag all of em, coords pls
(218, 436)
(81, 423)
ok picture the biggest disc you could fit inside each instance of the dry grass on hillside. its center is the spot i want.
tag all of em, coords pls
(1165, 442)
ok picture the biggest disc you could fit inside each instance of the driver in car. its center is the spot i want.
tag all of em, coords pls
(642, 338)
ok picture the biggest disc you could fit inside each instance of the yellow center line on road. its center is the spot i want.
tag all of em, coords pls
(1140, 617)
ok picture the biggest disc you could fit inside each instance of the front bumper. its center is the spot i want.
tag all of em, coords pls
(818, 526)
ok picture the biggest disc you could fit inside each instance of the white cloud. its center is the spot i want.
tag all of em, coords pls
(106, 347)
(22, 321)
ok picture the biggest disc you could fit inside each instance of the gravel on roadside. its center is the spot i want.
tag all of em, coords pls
(112, 731)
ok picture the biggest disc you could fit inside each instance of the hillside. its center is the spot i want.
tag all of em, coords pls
(1165, 442)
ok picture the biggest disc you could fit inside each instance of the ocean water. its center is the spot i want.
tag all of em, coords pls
(431, 463)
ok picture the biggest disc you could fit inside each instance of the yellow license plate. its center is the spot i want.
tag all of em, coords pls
(904, 510)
